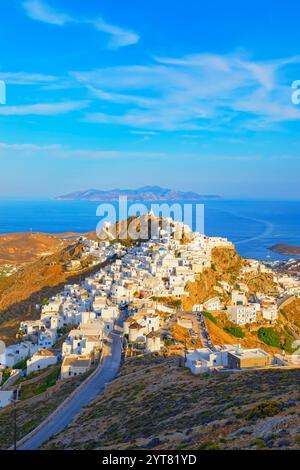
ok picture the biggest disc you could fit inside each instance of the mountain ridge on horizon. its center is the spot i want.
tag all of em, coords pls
(144, 193)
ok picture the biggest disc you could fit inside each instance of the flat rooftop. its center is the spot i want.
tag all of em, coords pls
(249, 353)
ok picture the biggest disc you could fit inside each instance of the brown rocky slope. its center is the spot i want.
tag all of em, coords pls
(18, 248)
(154, 404)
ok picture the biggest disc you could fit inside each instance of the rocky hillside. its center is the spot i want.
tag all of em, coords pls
(154, 404)
(272, 339)
(35, 282)
(18, 248)
(292, 312)
(226, 265)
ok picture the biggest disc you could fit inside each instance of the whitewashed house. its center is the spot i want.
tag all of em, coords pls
(213, 304)
(17, 353)
(47, 339)
(74, 365)
(41, 360)
(243, 314)
(6, 398)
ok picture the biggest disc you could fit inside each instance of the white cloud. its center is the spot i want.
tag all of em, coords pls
(38, 10)
(59, 151)
(149, 133)
(196, 92)
(120, 98)
(118, 37)
(43, 109)
(29, 147)
(99, 154)
(24, 78)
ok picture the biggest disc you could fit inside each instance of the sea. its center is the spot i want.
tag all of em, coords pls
(254, 226)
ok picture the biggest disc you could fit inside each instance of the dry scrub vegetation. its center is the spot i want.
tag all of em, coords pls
(155, 404)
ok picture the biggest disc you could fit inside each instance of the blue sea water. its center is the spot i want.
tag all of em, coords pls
(253, 226)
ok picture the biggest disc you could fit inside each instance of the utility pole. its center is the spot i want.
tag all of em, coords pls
(15, 425)
(17, 392)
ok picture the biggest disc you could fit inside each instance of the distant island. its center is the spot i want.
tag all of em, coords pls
(146, 193)
(286, 249)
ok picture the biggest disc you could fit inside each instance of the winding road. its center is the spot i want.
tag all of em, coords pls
(84, 394)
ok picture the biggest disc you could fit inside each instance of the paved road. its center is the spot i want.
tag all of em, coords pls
(205, 336)
(286, 299)
(87, 392)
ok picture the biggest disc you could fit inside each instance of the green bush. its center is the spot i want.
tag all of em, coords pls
(210, 317)
(5, 375)
(209, 445)
(37, 388)
(62, 331)
(270, 337)
(235, 331)
(21, 365)
(259, 443)
(263, 410)
(283, 313)
(280, 340)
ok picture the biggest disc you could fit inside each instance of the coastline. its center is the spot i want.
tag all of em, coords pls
(253, 226)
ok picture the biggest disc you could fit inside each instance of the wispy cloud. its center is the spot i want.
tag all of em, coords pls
(38, 10)
(60, 151)
(29, 147)
(43, 109)
(195, 92)
(150, 133)
(24, 78)
(118, 37)
(120, 98)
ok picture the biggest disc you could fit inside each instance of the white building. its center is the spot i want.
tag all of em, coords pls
(153, 342)
(41, 360)
(243, 314)
(213, 304)
(232, 357)
(74, 365)
(269, 308)
(17, 352)
(47, 339)
(238, 298)
(202, 360)
(80, 344)
(6, 398)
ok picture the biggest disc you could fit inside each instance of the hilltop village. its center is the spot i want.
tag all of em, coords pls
(152, 284)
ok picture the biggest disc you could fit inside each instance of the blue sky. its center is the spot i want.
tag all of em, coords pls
(188, 95)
